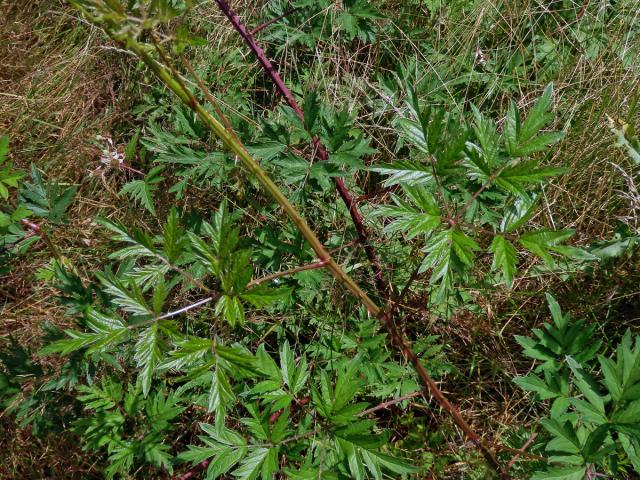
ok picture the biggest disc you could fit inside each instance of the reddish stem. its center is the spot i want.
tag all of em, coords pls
(522, 450)
(194, 471)
(38, 230)
(369, 196)
(259, 28)
(33, 226)
(356, 217)
(390, 403)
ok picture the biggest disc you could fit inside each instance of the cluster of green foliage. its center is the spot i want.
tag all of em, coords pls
(594, 419)
(37, 199)
(491, 192)
(180, 323)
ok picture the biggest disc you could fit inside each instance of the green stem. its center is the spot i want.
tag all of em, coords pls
(233, 144)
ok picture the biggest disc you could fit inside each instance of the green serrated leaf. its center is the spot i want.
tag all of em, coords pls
(585, 384)
(263, 295)
(225, 460)
(448, 252)
(148, 355)
(504, 258)
(231, 309)
(251, 465)
(310, 110)
(405, 172)
(538, 116)
(132, 145)
(220, 393)
(535, 384)
(518, 212)
(46, 199)
(630, 414)
(595, 441)
(516, 179)
(489, 144)
(409, 219)
(542, 242)
(129, 298)
(576, 472)
(141, 191)
(173, 237)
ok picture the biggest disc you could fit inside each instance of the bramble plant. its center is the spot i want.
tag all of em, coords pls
(238, 321)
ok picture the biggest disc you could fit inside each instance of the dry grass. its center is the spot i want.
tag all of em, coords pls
(31, 458)
(57, 92)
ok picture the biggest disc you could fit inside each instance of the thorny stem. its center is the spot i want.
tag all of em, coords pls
(356, 217)
(230, 141)
(190, 278)
(295, 438)
(527, 455)
(475, 196)
(250, 163)
(123, 165)
(381, 285)
(436, 177)
(379, 193)
(393, 304)
(430, 388)
(194, 471)
(522, 450)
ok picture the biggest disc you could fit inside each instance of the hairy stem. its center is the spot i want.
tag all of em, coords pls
(37, 229)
